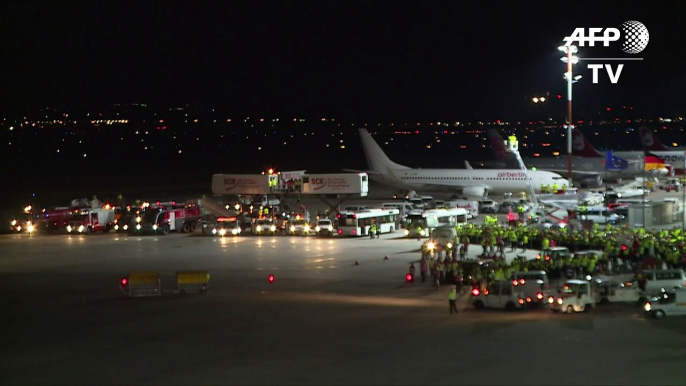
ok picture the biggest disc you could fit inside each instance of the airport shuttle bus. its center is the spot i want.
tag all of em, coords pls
(420, 224)
(358, 223)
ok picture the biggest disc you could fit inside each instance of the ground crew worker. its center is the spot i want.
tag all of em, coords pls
(555, 188)
(511, 218)
(520, 212)
(452, 299)
(423, 267)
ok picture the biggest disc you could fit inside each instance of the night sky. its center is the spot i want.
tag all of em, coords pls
(351, 59)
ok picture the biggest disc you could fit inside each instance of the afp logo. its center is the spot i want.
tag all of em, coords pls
(636, 36)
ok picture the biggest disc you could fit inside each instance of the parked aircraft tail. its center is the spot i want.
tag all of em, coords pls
(497, 144)
(582, 147)
(377, 160)
(650, 140)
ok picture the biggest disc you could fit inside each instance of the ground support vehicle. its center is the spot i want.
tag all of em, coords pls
(502, 294)
(672, 303)
(573, 296)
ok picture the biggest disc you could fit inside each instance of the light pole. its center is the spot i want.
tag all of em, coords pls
(570, 59)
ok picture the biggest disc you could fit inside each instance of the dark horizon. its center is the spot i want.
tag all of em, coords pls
(369, 61)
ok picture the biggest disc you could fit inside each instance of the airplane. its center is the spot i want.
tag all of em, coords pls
(589, 166)
(675, 157)
(470, 183)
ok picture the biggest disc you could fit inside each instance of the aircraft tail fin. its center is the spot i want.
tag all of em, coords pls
(582, 147)
(650, 140)
(497, 144)
(377, 160)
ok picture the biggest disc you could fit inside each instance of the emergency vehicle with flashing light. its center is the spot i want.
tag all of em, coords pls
(574, 296)
(91, 220)
(501, 294)
(164, 219)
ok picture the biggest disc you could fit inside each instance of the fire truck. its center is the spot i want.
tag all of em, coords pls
(166, 218)
(91, 220)
(54, 220)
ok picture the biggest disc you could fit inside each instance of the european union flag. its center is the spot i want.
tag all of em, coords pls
(615, 164)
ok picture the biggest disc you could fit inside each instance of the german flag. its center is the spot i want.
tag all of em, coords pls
(653, 162)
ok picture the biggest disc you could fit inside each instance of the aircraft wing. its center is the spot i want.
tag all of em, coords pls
(370, 172)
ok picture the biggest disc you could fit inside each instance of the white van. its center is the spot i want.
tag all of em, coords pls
(444, 235)
(601, 215)
(664, 279)
(668, 303)
(472, 206)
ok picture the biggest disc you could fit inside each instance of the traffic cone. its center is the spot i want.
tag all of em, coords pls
(356, 262)
(386, 258)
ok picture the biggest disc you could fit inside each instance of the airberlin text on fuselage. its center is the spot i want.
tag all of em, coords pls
(672, 158)
(511, 175)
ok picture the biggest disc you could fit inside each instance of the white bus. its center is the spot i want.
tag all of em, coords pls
(358, 223)
(421, 224)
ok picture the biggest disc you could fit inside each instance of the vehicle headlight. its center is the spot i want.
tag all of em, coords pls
(116, 227)
(317, 229)
(138, 219)
(81, 228)
(154, 227)
(431, 245)
(647, 307)
(407, 232)
(138, 226)
(14, 222)
(422, 232)
(292, 228)
(307, 228)
(559, 300)
(330, 228)
(259, 228)
(450, 245)
(222, 232)
(69, 228)
(30, 229)
(235, 231)
(126, 227)
(214, 231)
(551, 299)
(272, 228)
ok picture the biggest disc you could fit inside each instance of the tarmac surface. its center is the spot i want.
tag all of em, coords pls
(324, 320)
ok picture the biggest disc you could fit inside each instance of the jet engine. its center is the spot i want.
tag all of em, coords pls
(475, 192)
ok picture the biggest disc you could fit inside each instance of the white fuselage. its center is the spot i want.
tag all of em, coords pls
(585, 164)
(500, 181)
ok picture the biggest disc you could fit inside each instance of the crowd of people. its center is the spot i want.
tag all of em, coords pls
(619, 249)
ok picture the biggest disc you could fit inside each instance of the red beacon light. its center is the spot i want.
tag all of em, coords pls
(124, 281)
(522, 281)
(340, 231)
(475, 292)
(271, 278)
(408, 277)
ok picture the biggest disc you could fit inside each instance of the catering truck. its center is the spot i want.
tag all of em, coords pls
(341, 183)
(225, 184)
